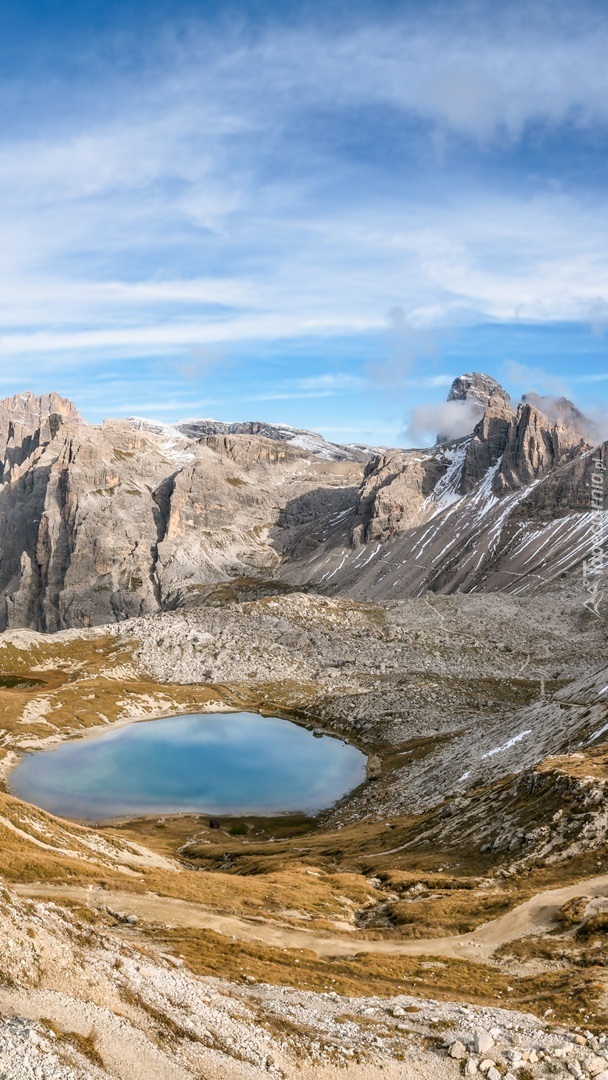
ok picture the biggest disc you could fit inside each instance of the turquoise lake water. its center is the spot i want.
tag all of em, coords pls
(211, 763)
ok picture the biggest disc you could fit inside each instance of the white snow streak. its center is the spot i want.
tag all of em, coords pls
(507, 746)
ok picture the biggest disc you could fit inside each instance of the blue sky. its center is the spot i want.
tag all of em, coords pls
(313, 213)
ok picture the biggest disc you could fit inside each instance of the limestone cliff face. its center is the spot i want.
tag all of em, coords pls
(98, 524)
(504, 508)
(522, 446)
(487, 392)
(567, 489)
(535, 444)
(395, 493)
(220, 510)
(295, 438)
(509, 448)
(27, 422)
(489, 441)
(85, 535)
(249, 450)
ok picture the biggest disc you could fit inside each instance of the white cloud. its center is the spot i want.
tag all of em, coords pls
(600, 377)
(291, 395)
(480, 77)
(445, 420)
(331, 381)
(156, 339)
(551, 395)
(204, 214)
(598, 416)
(328, 384)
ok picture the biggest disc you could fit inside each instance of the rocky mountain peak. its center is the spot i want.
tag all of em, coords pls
(561, 410)
(479, 388)
(525, 444)
(29, 410)
(28, 421)
(478, 399)
(309, 442)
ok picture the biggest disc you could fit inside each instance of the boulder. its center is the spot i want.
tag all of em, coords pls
(374, 767)
(482, 1042)
(596, 1066)
(458, 1051)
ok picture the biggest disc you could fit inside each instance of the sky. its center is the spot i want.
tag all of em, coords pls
(312, 213)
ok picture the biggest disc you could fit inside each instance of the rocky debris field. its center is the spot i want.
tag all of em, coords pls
(490, 1052)
(28, 1052)
(444, 691)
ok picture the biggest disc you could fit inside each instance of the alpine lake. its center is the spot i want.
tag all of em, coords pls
(228, 763)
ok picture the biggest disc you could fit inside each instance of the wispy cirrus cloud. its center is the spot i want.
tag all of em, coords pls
(328, 384)
(335, 382)
(297, 183)
(528, 378)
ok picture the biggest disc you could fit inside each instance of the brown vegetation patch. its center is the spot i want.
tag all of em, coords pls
(596, 925)
(572, 912)
(83, 1044)
(569, 994)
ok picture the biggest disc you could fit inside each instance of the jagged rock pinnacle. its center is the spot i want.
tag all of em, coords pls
(476, 387)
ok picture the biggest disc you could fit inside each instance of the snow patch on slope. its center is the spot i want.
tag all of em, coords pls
(446, 492)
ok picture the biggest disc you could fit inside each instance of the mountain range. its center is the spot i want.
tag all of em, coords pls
(101, 523)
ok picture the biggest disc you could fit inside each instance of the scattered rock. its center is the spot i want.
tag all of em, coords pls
(482, 1042)
(374, 767)
(458, 1051)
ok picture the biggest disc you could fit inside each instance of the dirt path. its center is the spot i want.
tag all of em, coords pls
(126, 1051)
(531, 917)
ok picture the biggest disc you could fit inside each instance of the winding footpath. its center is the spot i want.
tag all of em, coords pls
(531, 917)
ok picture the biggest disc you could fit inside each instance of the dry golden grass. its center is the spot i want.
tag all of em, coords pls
(273, 895)
(401, 881)
(438, 916)
(593, 763)
(83, 1044)
(572, 912)
(569, 993)
(86, 682)
(596, 926)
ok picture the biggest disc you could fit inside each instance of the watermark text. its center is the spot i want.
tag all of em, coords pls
(594, 566)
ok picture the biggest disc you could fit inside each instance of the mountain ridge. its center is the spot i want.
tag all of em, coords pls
(299, 437)
(102, 523)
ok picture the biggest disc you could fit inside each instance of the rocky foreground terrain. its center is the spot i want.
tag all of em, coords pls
(450, 916)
